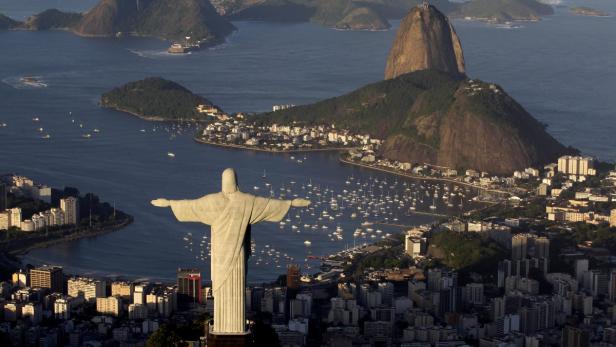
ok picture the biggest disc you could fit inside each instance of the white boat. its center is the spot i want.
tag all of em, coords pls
(46, 136)
(171, 155)
(96, 130)
(86, 136)
(35, 119)
(307, 243)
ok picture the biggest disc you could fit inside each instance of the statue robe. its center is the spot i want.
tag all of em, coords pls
(229, 215)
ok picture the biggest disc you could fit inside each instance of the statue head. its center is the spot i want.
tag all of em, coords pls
(229, 181)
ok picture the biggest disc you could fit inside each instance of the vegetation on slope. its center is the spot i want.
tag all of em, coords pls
(179, 18)
(466, 251)
(428, 116)
(503, 10)
(155, 98)
(363, 18)
(7, 23)
(53, 19)
(165, 19)
(378, 109)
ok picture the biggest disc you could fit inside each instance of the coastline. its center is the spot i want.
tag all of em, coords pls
(10, 251)
(257, 149)
(425, 178)
(349, 162)
(153, 118)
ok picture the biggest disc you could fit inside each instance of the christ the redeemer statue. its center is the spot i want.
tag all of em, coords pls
(230, 213)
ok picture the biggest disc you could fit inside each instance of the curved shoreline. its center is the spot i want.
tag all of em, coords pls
(425, 178)
(258, 149)
(12, 250)
(153, 118)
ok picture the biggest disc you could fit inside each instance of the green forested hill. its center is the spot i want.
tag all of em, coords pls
(156, 99)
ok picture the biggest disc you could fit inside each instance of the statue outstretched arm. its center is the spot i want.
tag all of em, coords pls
(300, 202)
(202, 210)
(161, 203)
(273, 210)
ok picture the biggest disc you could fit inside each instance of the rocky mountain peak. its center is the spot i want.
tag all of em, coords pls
(425, 40)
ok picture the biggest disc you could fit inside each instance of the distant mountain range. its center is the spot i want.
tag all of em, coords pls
(165, 19)
(198, 19)
(428, 111)
(373, 14)
(502, 10)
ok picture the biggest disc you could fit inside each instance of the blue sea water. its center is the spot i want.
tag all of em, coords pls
(561, 69)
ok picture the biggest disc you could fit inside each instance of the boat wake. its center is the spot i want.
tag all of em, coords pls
(26, 82)
(508, 26)
(153, 54)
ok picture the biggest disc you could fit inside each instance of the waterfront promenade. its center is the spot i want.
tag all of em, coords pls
(425, 178)
(269, 150)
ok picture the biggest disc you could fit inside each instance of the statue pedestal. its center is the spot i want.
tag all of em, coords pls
(228, 340)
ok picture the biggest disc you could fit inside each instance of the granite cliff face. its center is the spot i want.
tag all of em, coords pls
(425, 40)
(481, 127)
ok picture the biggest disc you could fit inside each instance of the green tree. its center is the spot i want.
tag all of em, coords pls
(165, 336)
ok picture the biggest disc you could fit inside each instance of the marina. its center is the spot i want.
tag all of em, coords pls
(129, 156)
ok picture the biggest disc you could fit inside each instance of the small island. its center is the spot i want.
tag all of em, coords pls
(158, 99)
(587, 11)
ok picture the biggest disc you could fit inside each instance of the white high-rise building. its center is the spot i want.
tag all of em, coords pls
(109, 306)
(5, 220)
(139, 294)
(57, 216)
(88, 288)
(70, 207)
(33, 312)
(16, 217)
(579, 166)
(62, 309)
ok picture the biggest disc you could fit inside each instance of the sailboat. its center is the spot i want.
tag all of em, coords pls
(433, 206)
(264, 174)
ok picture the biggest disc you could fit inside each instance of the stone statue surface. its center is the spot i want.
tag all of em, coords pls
(230, 213)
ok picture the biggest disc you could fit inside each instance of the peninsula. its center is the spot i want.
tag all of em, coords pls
(587, 11)
(428, 111)
(157, 99)
(36, 216)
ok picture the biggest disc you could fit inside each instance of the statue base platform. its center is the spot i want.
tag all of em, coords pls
(228, 340)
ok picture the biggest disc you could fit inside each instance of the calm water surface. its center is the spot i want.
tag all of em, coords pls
(561, 69)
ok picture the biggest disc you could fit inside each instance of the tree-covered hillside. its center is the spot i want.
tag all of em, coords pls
(155, 98)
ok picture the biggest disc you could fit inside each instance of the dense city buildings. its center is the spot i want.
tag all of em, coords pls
(189, 285)
(534, 267)
(65, 214)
